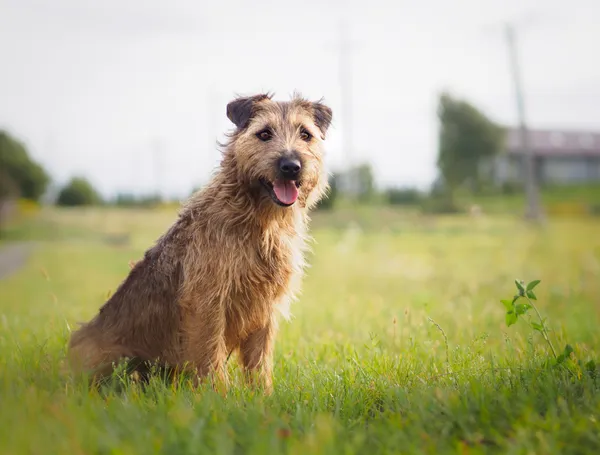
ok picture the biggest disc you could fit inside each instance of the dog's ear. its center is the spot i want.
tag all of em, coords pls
(322, 115)
(241, 109)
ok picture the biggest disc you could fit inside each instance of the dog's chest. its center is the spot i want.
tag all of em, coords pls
(267, 270)
(262, 279)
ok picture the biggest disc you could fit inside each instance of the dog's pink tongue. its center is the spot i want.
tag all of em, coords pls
(286, 191)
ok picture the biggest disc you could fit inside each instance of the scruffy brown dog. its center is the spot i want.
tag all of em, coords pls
(212, 283)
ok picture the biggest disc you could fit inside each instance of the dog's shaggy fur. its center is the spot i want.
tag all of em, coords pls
(212, 283)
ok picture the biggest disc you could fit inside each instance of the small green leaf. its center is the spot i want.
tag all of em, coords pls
(520, 286)
(511, 318)
(515, 298)
(560, 359)
(532, 284)
(537, 327)
(522, 308)
(508, 304)
(531, 295)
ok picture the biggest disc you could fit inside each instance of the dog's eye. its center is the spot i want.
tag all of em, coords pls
(305, 135)
(264, 135)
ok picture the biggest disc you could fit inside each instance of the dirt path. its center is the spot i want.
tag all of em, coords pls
(12, 258)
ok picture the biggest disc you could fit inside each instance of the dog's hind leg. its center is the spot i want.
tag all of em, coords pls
(89, 354)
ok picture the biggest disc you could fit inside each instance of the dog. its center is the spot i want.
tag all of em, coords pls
(212, 284)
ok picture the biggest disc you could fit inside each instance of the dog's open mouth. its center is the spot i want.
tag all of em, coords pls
(283, 192)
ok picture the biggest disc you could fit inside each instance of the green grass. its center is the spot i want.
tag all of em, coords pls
(554, 199)
(360, 369)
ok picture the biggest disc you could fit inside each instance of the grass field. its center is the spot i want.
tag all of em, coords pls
(360, 369)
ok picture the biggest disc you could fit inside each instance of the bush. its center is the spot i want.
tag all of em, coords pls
(78, 192)
(9, 189)
(130, 200)
(439, 205)
(594, 209)
(27, 177)
(328, 201)
(403, 196)
(9, 192)
(509, 188)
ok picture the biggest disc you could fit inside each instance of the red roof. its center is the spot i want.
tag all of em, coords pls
(556, 142)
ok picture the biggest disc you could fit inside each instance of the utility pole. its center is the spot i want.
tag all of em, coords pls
(533, 211)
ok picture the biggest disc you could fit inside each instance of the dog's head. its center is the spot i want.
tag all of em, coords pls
(277, 148)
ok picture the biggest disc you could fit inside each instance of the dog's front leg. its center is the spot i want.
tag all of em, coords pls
(204, 346)
(257, 356)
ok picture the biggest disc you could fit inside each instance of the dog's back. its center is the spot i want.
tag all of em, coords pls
(141, 319)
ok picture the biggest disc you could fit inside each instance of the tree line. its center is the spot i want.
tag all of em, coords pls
(468, 141)
(467, 138)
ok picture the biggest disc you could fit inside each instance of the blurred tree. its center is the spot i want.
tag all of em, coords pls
(357, 182)
(466, 139)
(125, 200)
(366, 181)
(27, 177)
(9, 192)
(8, 187)
(78, 192)
(328, 202)
(403, 196)
(130, 200)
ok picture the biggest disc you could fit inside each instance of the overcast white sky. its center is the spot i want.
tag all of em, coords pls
(93, 87)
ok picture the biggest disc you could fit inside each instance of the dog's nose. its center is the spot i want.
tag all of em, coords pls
(290, 168)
